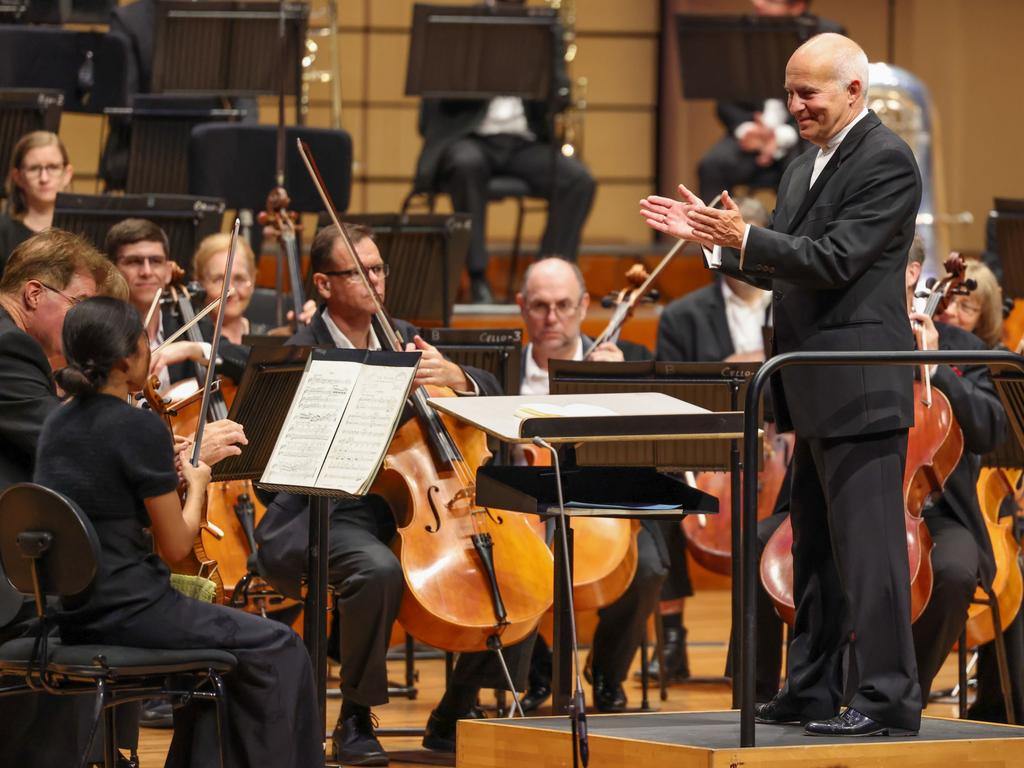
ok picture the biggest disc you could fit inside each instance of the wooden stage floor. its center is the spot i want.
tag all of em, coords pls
(707, 621)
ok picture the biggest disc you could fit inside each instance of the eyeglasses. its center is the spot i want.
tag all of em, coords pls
(236, 281)
(352, 275)
(137, 262)
(968, 308)
(35, 171)
(541, 309)
(72, 300)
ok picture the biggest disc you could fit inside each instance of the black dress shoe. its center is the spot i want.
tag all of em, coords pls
(480, 291)
(535, 696)
(778, 711)
(355, 742)
(677, 664)
(439, 735)
(608, 697)
(156, 713)
(853, 723)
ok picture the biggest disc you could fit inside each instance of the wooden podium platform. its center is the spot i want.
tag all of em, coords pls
(711, 740)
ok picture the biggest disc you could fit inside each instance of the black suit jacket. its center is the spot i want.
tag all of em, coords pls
(835, 257)
(980, 414)
(442, 122)
(694, 328)
(27, 397)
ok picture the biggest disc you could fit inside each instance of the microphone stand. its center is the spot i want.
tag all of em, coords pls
(577, 710)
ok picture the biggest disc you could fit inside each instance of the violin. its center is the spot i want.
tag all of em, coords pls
(475, 577)
(934, 446)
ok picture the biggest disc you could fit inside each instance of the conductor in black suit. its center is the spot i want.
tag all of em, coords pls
(467, 142)
(834, 254)
(760, 139)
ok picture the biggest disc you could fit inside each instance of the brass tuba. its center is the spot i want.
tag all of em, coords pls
(902, 103)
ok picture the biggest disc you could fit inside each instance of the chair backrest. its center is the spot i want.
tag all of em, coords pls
(67, 568)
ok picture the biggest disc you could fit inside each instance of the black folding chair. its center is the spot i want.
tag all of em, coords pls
(48, 549)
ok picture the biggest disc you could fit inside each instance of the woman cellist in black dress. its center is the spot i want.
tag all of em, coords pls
(117, 463)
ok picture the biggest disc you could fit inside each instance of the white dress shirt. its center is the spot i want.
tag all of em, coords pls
(535, 379)
(341, 341)
(746, 320)
(505, 114)
(775, 116)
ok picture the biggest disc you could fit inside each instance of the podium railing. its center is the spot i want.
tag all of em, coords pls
(751, 445)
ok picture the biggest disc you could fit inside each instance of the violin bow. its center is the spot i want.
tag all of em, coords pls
(314, 174)
(188, 326)
(211, 373)
(637, 294)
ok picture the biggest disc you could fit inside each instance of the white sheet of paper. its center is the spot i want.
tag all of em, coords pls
(311, 423)
(366, 428)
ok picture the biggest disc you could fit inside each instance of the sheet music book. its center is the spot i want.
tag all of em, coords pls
(341, 421)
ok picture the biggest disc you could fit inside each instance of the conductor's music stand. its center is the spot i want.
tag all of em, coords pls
(186, 220)
(737, 58)
(23, 110)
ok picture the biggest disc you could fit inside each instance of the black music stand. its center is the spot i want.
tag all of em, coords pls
(23, 110)
(186, 220)
(159, 128)
(1009, 219)
(426, 255)
(715, 386)
(220, 47)
(737, 58)
(495, 350)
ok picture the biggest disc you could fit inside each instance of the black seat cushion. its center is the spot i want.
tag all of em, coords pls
(500, 187)
(116, 660)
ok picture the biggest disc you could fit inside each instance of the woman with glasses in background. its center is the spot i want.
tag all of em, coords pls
(40, 168)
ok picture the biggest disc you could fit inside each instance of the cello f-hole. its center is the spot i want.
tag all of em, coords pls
(433, 494)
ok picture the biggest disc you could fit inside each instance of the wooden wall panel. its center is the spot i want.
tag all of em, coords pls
(620, 145)
(619, 70)
(392, 144)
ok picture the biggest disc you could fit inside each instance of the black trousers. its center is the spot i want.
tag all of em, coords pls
(620, 626)
(955, 559)
(368, 583)
(469, 164)
(725, 165)
(272, 706)
(850, 578)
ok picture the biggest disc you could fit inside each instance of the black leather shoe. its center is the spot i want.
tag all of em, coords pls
(778, 711)
(480, 291)
(439, 735)
(853, 723)
(355, 742)
(674, 651)
(608, 696)
(534, 697)
(156, 713)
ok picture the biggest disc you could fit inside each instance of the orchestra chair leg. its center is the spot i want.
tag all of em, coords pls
(659, 650)
(513, 257)
(110, 751)
(1004, 669)
(961, 674)
(222, 714)
(645, 674)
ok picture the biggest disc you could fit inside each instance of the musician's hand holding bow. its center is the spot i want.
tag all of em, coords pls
(435, 370)
(924, 324)
(606, 352)
(724, 227)
(306, 315)
(673, 217)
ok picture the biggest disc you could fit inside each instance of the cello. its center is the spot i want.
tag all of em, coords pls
(475, 578)
(934, 446)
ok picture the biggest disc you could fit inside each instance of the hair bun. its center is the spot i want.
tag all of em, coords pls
(77, 380)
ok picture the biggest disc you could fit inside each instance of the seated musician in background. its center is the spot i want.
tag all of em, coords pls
(553, 302)
(40, 168)
(117, 462)
(364, 572)
(467, 142)
(761, 138)
(45, 276)
(980, 313)
(962, 556)
(721, 321)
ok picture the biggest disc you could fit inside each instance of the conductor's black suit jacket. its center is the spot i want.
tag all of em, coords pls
(835, 258)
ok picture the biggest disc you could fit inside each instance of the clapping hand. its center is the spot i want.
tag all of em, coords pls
(673, 217)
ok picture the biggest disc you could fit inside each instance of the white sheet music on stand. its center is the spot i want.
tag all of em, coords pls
(590, 417)
(341, 420)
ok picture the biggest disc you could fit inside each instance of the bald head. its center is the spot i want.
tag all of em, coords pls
(553, 270)
(826, 80)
